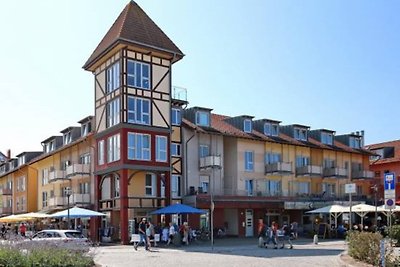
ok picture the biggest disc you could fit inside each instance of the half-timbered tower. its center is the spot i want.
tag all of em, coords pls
(132, 71)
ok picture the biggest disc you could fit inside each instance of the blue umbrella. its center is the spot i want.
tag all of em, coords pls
(178, 209)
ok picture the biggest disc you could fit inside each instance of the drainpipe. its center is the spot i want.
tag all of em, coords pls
(186, 162)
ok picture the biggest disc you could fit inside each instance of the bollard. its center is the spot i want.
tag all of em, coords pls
(316, 239)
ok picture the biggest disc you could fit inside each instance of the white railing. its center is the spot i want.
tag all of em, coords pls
(309, 170)
(77, 169)
(56, 174)
(210, 162)
(278, 167)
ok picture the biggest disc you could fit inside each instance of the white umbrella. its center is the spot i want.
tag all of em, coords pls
(361, 210)
(334, 210)
(76, 212)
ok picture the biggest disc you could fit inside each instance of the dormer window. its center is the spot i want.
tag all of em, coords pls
(203, 118)
(85, 129)
(67, 138)
(271, 129)
(300, 134)
(247, 126)
(113, 81)
(3, 169)
(21, 160)
(138, 74)
(50, 146)
(326, 138)
(355, 142)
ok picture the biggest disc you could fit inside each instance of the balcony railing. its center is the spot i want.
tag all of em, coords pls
(278, 168)
(56, 175)
(77, 169)
(362, 174)
(58, 201)
(179, 93)
(6, 191)
(133, 202)
(79, 199)
(335, 172)
(309, 170)
(210, 162)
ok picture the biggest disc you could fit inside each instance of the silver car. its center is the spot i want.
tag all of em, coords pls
(59, 235)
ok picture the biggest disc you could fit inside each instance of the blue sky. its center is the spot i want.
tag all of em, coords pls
(325, 64)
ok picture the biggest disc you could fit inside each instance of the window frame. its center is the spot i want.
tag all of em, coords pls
(176, 116)
(133, 143)
(176, 150)
(113, 148)
(202, 115)
(176, 182)
(139, 116)
(247, 126)
(249, 161)
(138, 81)
(161, 154)
(151, 186)
(113, 80)
(113, 110)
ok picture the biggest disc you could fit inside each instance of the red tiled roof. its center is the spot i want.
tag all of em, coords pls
(134, 26)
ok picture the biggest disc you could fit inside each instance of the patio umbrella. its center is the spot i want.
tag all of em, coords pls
(32, 215)
(11, 218)
(178, 209)
(76, 212)
(334, 210)
(361, 210)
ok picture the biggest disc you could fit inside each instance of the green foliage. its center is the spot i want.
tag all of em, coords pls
(394, 233)
(365, 247)
(39, 256)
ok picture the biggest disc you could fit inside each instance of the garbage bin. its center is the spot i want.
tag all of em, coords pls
(177, 240)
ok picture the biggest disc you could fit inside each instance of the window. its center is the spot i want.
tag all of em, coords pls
(84, 159)
(202, 118)
(113, 108)
(326, 138)
(138, 74)
(138, 110)
(112, 78)
(247, 126)
(67, 138)
(328, 189)
(50, 146)
(113, 148)
(175, 150)
(302, 161)
(21, 160)
(300, 134)
(273, 188)
(355, 142)
(161, 148)
(45, 176)
(85, 129)
(84, 188)
(204, 187)
(21, 183)
(176, 116)
(329, 163)
(271, 129)
(248, 160)
(303, 187)
(116, 186)
(150, 187)
(44, 199)
(176, 185)
(249, 184)
(271, 158)
(100, 152)
(204, 151)
(138, 146)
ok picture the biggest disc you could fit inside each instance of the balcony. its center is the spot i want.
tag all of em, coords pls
(79, 199)
(309, 170)
(179, 94)
(362, 174)
(6, 191)
(56, 175)
(335, 173)
(57, 201)
(77, 169)
(281, 168)
(210, 162)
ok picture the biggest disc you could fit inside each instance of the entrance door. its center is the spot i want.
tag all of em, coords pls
(249, 223)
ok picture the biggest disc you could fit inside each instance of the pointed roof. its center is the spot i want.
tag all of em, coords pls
(134, 26)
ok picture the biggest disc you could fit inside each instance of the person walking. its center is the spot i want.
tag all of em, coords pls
(171, 233)
(22, 229)
(151, 233)
(286, 235)
(185, 238)
(272, 233)
(142, 234)
(261, 230)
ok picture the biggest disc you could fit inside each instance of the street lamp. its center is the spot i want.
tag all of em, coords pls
(68, 193)
(375, 188)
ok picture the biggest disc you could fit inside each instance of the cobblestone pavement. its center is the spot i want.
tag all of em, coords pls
(229, 252)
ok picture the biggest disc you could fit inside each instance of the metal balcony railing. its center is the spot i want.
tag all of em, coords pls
(278, 168)
(56, 175)
(210, 162)
(179, 93)
(309, 170)
(6, 191)
(335, 172)
(77, 169)
(362, 174)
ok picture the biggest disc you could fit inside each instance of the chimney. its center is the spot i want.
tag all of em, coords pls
(8, 153)
(362, 137)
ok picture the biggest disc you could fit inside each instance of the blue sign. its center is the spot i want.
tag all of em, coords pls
(390, 181)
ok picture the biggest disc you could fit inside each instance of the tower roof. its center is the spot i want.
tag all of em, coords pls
(134, 26)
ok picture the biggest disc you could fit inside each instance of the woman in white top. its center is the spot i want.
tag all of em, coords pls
(171, 233)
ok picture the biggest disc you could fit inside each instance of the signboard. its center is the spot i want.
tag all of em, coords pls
(350, 188)
(390, 190)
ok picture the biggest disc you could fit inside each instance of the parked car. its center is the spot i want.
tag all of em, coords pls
(59, 235)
